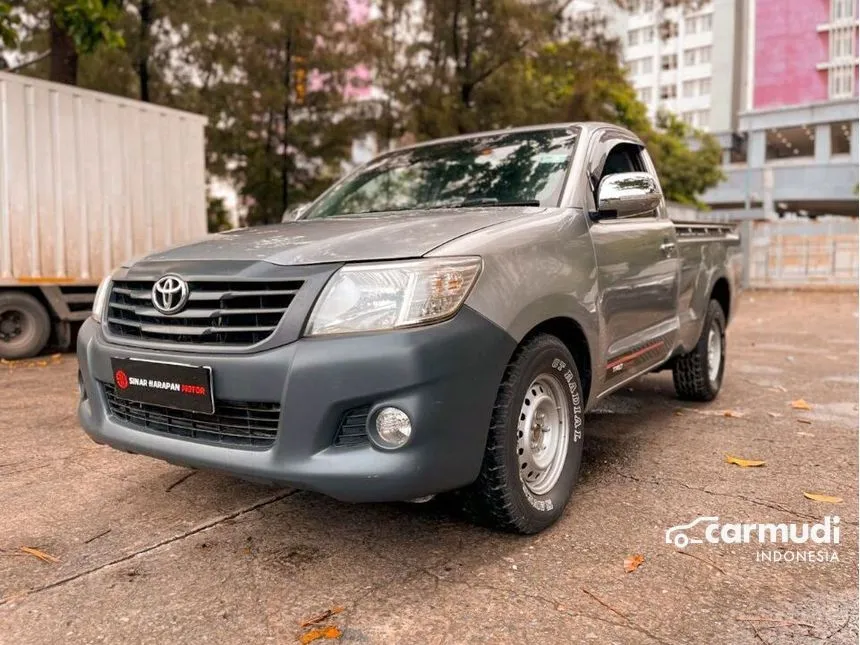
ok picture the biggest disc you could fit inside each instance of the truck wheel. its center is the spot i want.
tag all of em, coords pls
(698, 374)
(24, 325)
(534, 446)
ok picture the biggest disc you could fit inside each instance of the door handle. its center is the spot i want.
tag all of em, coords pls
(668, 248)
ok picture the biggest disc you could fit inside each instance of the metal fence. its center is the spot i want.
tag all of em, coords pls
(802, 253)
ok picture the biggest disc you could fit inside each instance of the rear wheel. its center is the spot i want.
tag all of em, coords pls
(698, 375)
(25, 325)
(534, 447)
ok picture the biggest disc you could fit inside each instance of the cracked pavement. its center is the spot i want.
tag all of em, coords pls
(150, 554)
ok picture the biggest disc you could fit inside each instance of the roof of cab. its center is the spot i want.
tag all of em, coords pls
(586, 126)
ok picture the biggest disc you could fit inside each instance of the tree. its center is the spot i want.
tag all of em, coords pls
(66, 30)
(478, 65)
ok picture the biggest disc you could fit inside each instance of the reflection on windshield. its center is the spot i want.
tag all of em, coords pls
(513, 168)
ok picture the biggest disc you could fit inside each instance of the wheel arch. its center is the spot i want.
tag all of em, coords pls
(571, 333)
(722, 293)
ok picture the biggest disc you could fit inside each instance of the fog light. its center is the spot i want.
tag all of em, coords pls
(393, 427)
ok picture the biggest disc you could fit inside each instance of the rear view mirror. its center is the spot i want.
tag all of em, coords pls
(627, 194)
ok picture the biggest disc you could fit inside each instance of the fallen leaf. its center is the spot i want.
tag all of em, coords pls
(56, 357)
(775, 415)
(816, 497)
(329, 632)
(679, 413)
(806, 421)
(743, 463)
(800, 404)
(734, 414)
(632, 562)
(45, 557)
(320, 617)
(805, 434)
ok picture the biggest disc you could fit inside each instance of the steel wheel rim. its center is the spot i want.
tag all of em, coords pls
(715, 352)
(543, 434)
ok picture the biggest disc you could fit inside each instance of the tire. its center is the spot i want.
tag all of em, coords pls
(25, 325)
(695, 376)
(541, 372)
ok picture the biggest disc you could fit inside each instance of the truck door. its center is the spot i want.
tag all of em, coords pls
(638, 272)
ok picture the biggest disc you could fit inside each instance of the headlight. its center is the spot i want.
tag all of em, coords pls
(100, 301)
(391, 295)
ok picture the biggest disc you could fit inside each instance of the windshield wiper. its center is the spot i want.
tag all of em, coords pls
(492, 201)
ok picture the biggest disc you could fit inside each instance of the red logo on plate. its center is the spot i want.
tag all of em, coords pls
(121, 379)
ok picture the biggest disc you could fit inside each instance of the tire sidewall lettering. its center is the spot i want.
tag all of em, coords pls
(545, 503)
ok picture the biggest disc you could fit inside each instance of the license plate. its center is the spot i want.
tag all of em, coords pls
(172, 385)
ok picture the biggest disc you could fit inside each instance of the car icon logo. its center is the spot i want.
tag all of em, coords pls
(169, 294)
(676, 534)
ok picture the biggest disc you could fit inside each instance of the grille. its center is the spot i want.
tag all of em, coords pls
(217, 313)
(353, 428)
(235, 424)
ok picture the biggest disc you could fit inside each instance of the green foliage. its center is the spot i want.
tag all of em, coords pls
(274, 76)
(509, 63)
(90, 23)
(217, 217)
(8, 26)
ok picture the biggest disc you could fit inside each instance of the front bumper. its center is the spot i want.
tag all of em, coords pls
(444, 376)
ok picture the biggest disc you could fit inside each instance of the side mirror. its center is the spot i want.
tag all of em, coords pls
(627, 194)
(294, 213)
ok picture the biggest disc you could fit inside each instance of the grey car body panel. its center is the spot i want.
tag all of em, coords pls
(386, 236)
(635, 307)
(444, 376)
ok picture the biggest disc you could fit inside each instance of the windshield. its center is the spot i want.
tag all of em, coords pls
(506, 168)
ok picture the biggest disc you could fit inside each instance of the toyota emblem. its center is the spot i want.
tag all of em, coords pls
(170, 294)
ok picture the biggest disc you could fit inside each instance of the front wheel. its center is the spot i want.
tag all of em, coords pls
(534, 446)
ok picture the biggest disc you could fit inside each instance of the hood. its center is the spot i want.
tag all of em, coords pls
(384, 236)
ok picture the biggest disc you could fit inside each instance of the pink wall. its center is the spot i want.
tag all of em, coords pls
(787, 49)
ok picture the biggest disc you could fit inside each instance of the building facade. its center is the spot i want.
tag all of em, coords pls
(775, 81)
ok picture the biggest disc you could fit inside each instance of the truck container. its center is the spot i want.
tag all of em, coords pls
(87, 181)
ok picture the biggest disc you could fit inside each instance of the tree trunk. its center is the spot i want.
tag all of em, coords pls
(64, 56)
(146, 19)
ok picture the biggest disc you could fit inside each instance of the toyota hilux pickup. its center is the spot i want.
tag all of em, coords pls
(440, 320)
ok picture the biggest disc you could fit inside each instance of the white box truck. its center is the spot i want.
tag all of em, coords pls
(87, 181)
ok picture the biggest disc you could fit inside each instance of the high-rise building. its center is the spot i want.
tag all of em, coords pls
(795, 146)
(775, 81)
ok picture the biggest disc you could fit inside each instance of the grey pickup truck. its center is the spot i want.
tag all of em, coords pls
(440, 320)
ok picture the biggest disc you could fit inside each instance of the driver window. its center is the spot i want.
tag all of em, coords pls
(622, 158)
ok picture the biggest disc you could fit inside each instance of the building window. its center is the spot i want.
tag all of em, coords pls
(842, 43)
(688, 117)
(669, 61)
(843, 10)
(706, 23)
(841, 81)
(697, 56)
(641, 66)
(690, 25)
(840, 138)
(648, 6)
(647, 65)
(699, 24)
(668, 29)
(645, 94)
(689, 89)
(703, 119)
(633, 37)
(705, 87)
(789, 143)
(647, 35)
(668, 91)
